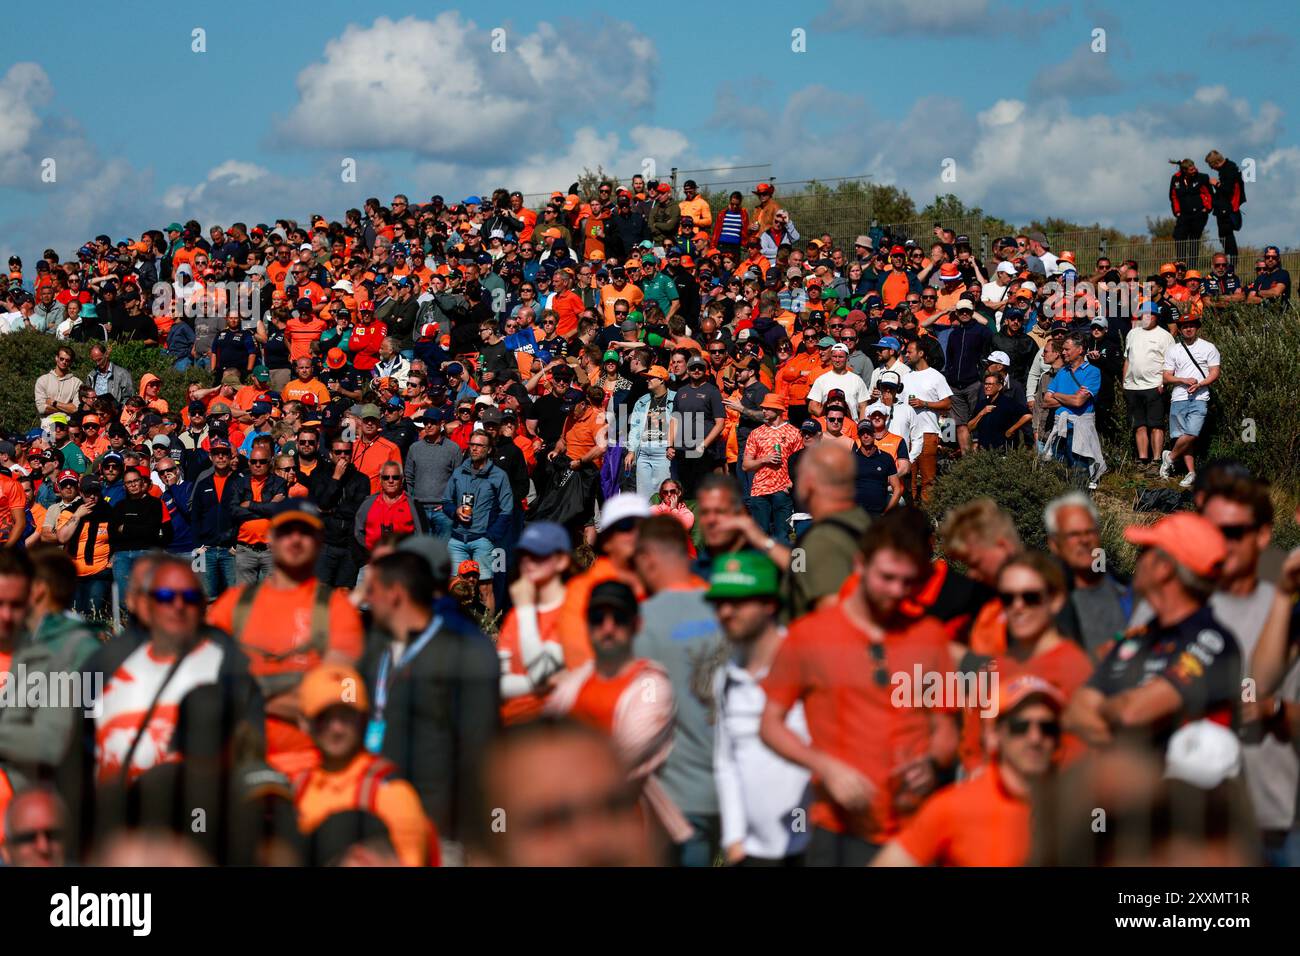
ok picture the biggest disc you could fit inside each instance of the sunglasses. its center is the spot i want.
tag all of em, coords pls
(28, 837)
(390, 477)
(191, 597)
(341, 451)
(1235, 532)
(259, 461)
(837, 419)
(670, 491)
(1030, 598)
(880, 674)
(597, 617)
(1019, 726)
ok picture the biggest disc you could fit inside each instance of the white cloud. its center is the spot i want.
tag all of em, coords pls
(436, 88)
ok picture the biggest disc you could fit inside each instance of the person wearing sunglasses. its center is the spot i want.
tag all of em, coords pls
(867, 780)
(138, 672)
(986, 820)
(1181, 667)
(35, 829)
(1272, 285)
(139, 524)
(388, 510)
(640, 722)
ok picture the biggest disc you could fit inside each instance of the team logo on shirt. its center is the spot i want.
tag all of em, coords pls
(1128, 650)
(1211, 641)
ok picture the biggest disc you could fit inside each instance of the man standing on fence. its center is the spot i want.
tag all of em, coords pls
(1191, 198)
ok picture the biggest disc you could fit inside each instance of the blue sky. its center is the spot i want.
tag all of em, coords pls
(144, 130)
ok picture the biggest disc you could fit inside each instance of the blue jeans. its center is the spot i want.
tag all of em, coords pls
(652, 470)
(183, 363)
(702, 846)
(436, 521)
(218, 571)
(475, 549)
(772, 514)
(94, 595)
(802, 525)
(746, 478)
(123, 561)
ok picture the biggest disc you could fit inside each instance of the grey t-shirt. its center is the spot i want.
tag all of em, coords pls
(1100, 612)
(680, 631)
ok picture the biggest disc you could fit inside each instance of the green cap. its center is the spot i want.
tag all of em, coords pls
(745, 574)
(650, 257)
(825, 342)
(368, 411)
(174, 227)
(830, 294)
(637, 317)
(842, 313)
(610, 356)
(261, 373)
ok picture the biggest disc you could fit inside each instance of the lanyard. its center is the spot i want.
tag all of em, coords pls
(383, 683)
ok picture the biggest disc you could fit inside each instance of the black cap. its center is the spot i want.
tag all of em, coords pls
(612, 594)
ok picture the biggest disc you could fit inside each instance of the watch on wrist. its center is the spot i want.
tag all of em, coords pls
(768, 545)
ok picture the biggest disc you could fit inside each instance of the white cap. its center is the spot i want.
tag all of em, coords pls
(1029, 287)
(626, 504)
(964, 304)
(1006, 268)
(343, 285)
(840, 347)
(877, 407)
(305, 246)
(1000, 357)
(1203, 754)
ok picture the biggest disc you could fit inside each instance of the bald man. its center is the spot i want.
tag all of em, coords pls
(822, 558)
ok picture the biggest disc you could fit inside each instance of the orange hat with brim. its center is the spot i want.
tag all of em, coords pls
(1016, 691)
(774, 402)
(1189, 539)
(332, 685)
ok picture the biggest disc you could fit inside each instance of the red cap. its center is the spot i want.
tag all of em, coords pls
(467, 567)
(67, 474)
(1189, 539)
(1016, 691)
(665, 188)
(897, 251)
(764, 189)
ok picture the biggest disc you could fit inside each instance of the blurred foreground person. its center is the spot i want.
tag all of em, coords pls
(985, 819)
(555, 793)
(35, 828)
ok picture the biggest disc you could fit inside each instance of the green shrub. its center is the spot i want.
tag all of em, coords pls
(1255, 416)
(1019, 483)
(25, 356)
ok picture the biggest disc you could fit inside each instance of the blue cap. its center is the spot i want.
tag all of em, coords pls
(303, 305)
(471, 201)
(1147, 308)
(484, 258)
(260, 408)
(543, 539)
(431, 415)
(454, 369)
(198, 408)
(396, 402)
(889, 342)
(401, 280)
(34, 434)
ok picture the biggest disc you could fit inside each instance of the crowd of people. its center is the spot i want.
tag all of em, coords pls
(597, 535)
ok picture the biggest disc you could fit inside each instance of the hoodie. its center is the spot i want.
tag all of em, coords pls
(159, 404)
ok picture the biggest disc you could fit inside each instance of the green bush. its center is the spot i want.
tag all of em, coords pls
(1255, 417)
(25, 356)
(1019, 483)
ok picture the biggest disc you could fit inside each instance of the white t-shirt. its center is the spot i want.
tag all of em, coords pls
(850, 383)
(899, 371)
(1145, 351)
(1181, 365)
(928, 385)
(992, 292)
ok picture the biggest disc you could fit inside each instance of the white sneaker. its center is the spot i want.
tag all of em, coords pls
(1092, 486)
(1188, 481)
(1166, 464)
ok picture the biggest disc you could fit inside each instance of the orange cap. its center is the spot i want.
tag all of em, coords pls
(1188, 538)
(657, 371)
(1066, 256)
(1168, 269)
(1191, 274)
(1016, 691)
(330, 685)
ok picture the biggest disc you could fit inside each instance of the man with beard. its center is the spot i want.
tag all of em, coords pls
(874, 762)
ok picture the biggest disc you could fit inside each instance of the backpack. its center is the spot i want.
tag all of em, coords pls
(275, 684)
(367, 794)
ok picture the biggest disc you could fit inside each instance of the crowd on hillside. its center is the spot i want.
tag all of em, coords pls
(597, 534)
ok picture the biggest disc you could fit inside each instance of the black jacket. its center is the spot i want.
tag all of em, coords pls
(403, 434)
(275, 485)
(622, 233)
(138, 524)
(213, 519)
(441, 714)
(339, 501)
(507, 456)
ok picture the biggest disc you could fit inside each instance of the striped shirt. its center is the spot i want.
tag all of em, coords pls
(769, 479)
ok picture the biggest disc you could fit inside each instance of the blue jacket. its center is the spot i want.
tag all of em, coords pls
(966, 346)
(177, 499)
(494, 503)
(212, 521)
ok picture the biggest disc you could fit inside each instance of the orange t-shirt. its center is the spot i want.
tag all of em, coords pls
(295, 390)
(276, 271)
(279, 622)
(255, 530)
(370, 459)
(972, 823)
(580, 435)
(572, 626)
(826, 663)
(302, 332)
(567, 306)
(608, 295)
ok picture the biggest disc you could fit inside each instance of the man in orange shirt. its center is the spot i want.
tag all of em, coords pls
(334, 707)
(288, 624)
(372, 451)
(566, 303)
(619, 288)
(695, 205)
(795, 380)
(985, 820)
(306, 383)
(873, 761)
